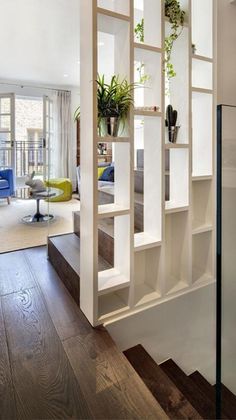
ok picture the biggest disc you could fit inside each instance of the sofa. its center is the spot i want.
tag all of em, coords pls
(102, 185)
(6, 184)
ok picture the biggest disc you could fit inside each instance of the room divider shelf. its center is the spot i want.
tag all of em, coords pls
(174, 252)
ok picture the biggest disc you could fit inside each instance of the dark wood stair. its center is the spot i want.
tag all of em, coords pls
(188, 387)
(163, 389)
(64, 255)
(228, 405)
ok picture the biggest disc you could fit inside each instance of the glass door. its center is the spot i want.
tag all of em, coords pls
(7, 130)
(48, 136)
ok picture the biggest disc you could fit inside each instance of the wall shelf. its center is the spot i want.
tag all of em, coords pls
(199, 228)
(110, 13)
(201, 57)
(176, 146)
(202, 90)
(110, 139)
(111, 210)
(110, 281)
(147, 47)
(147, 113)
(144, 241)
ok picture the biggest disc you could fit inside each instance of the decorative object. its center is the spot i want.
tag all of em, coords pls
(171, 120)
(36, 185)
(176, 18)
(113, 101)
(147, 108)
(194, 49)
(139, 31)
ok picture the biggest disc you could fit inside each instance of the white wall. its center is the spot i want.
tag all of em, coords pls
(226, 52)
(182, 329)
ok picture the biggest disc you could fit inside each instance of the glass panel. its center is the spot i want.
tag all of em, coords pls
(228, 249)
(5, 105)
(5, 140)
(5, 122)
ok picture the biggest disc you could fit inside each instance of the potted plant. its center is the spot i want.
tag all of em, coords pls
(176, 18)
(114, 101)
(171, 124)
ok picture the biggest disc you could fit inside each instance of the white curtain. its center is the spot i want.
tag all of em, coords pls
(61, 150)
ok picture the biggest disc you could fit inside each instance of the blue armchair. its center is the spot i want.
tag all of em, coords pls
(6, 184)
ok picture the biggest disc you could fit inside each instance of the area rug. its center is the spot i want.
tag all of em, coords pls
(14, 234)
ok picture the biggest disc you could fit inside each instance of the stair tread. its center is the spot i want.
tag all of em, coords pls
(166, 393)
(210, 392)
(69, 247)
(228, 402)
(186, 385)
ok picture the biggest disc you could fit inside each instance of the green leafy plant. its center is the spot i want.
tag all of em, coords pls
(176, 18)
(139, 30)
(113, 99)
(143, 77)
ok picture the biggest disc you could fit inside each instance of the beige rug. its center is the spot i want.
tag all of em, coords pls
(14, 234)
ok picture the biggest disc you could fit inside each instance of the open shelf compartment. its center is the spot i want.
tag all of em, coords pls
(147, 276)
(202, 257)
(177, 255)
(148, 161)
(202, 206)
(178, 179)
(117, 6)
(202, 145)
(150, 11)
(202, 74)
(202, 27)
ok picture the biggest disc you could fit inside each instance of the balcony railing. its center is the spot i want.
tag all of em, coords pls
(27, 155)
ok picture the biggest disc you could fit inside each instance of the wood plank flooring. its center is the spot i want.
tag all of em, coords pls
(53, 364)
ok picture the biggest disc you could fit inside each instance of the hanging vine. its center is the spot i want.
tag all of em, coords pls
(176, 18)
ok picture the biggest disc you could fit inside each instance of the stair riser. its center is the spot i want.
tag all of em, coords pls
(105, 241)
(66, 273)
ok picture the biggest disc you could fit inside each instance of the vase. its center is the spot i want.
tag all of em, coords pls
(173, 133)
(109, 126)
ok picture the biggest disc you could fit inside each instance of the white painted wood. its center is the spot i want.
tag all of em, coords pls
(88, 228)
(111, 280)
(202, 256)
(144, 241)
(118, 6)
(202, 74)
(202, 122)
(202, 26)
(111, 210)
(179, 178)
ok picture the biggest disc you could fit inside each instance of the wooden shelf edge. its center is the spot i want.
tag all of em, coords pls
(202, 229)
(147, 47)
(147, 113)
(176, 146)
(202, 178)
(202, 90)
(202, 58)
(111, 210)
(176, 209)
(113, 139)
(110, 13)
(111, 280)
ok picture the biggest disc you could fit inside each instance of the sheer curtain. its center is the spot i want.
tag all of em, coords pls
(61, 153)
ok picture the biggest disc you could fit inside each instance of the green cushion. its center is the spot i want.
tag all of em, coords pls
(63, 184)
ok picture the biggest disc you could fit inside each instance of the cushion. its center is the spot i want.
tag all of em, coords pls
(108, 174)
(4, 184)
(63, 184)
(100, 171)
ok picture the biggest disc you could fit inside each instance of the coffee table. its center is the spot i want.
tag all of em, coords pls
(37, 196)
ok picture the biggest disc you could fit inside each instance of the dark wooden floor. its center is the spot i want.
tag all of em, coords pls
(53, 364)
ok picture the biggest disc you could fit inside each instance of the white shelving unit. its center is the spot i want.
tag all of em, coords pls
(174, 253)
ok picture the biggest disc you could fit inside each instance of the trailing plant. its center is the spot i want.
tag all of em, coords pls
(139, 30)
(143, 78)
(176, 18)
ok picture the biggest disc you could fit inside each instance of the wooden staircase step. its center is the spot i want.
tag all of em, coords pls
(189, 389)
(209, 391)
(64, 255)
(228, 402)
(163, 389)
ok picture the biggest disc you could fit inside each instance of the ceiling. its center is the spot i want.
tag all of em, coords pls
(39, 41)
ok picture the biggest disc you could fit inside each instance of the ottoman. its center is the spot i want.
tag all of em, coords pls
(63, 184)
